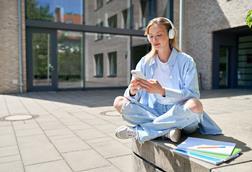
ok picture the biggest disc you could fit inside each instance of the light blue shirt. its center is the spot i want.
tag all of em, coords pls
(182, 85)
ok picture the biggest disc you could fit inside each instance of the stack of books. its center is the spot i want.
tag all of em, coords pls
(212, 151)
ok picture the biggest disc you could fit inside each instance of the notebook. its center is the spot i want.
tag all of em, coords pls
(212, 158)
(207, 146)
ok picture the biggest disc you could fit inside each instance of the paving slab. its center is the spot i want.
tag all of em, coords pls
(9, 150)
(53, 166)
(15, 166)
(85, 160)
(124, 163)
(104, 169)
(70, 144)
(108, 147)
(7, 140)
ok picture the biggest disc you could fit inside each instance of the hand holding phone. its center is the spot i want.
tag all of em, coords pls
(138, 74)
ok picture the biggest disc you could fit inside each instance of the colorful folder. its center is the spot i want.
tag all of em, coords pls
(207, 145)
(212, 151)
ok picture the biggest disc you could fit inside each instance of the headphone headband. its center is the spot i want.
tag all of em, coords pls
(169, 21)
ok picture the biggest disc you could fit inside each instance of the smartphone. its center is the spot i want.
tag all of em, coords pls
(138, 74)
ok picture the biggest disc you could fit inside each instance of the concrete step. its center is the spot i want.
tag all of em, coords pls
(156, 155)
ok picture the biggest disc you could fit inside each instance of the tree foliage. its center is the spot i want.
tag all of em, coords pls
(249, 18)
(37, 12)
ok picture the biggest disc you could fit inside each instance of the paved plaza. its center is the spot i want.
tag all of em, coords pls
(73, 131)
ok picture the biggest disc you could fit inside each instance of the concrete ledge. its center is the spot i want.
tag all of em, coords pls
(156, 155)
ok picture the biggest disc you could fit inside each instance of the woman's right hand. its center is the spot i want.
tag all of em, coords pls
(134, 87)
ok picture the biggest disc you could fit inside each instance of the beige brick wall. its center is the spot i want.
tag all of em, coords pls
(201, 18)
(9, 47)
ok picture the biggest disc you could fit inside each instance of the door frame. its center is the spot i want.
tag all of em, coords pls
(53, 58)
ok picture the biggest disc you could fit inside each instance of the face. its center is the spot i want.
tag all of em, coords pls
(158, 37)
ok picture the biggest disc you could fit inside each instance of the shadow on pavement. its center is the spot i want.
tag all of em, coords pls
(105, 97)
(89, 98)
(218, 93)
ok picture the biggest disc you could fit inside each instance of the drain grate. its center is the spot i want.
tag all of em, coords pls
(110, 113)
(18, 117)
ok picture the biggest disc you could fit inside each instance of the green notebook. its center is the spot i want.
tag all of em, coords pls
(212, 158)
(219, 156)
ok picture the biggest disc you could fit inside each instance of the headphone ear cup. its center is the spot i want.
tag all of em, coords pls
(171, 34)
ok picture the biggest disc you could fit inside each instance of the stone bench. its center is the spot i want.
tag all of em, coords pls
(156, 156)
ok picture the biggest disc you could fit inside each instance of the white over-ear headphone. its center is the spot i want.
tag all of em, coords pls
(171, 32)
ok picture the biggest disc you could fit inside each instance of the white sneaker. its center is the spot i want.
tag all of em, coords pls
(174, 135)
(125, 132)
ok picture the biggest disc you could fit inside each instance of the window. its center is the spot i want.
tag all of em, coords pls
(144, 10)
(244, 68)
(64, 11)
(111, 68)
(98, 65)
(107, 1)
(112, 56)
(224, 67)
(126, 18)
(109, 8)
(99, 36)
(69, 59)
(99, 4)
(112, 21)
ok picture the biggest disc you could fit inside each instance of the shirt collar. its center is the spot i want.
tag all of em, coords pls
(171, 60)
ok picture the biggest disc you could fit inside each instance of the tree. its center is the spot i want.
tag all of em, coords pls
(38, 12)
(249, 19)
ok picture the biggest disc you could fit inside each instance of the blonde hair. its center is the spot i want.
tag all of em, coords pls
(165, 22)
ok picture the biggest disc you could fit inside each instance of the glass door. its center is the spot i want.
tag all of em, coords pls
(224, 67)
(41, 60)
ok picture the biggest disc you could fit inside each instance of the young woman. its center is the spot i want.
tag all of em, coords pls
(168, 101)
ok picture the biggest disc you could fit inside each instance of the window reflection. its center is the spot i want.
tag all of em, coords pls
(98, 65)
(112, 21)
(70, 59)
(244, 68)
(126, 18)
(223, 67)
(115, 13)
(140, 47)
(41, 59)
(65, 11)
(99, 4)
(145, 10)
(104, 57)
(112, 57)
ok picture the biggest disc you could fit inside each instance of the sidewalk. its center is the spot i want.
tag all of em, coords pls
(73, 131)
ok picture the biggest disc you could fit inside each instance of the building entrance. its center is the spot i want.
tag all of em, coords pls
(232, 59)
(41, 65)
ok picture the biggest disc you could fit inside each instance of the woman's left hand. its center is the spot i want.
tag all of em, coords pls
(152, 86)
